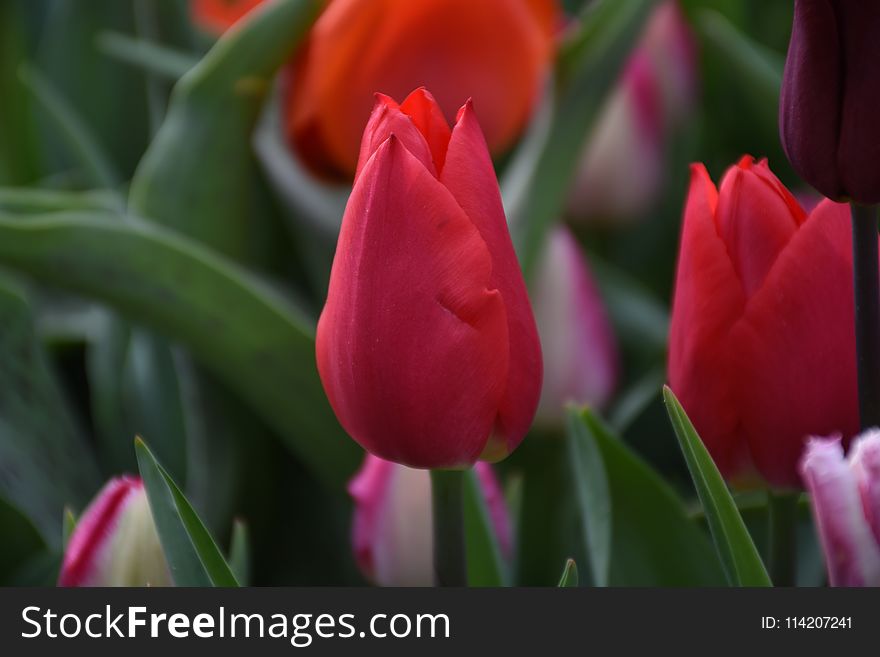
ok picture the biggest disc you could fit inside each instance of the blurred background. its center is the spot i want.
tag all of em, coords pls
(111, 329)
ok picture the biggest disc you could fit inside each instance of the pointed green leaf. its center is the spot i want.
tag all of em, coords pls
(593, 495)
(654, 542)
(192, 554)
(68, 526)
(240, 552)
(485, 564)
(569, 577)
(736, 549)
(246, 333)
(147, 55)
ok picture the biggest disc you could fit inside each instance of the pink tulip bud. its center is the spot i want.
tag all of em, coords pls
(621, 170)
(115, 542)
(580, 353)
(392, 530)
(846, 506)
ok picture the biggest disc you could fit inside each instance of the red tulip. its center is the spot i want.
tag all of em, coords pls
(427, 347)
(762, 343)
(392, 529)
(497, 52)
(115, 541)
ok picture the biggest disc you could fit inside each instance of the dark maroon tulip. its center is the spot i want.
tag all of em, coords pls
(828, 111)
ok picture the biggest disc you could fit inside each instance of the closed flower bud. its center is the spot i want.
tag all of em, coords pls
(392, 527)
(621, 170)
(497, 52)
(846, 506)
(762, 340)
(580, 353)
(830, 94)
(115, 541)
(427, 347)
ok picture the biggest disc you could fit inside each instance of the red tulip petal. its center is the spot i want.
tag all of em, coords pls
(470, 177)
(424, 111)
(756, 218)
(411, 309)
(708, 300)
(796, 340)
(388, 119)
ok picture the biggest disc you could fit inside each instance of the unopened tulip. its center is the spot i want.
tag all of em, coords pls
(427, 347)
(622, 168)
(830, 94)
(580, 353)
(762, 340)
(216, 16)
(497, 52)
(392, 526)
(115, 541)
(846, 506)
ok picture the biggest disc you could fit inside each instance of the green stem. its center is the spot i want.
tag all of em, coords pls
(447, 490)
(866, 286)
(783, 537)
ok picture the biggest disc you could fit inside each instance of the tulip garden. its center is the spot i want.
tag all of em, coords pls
(439, 293)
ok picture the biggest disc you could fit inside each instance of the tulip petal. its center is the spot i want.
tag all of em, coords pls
(756, 218)
(797, 338)
(388, 119)
(470, 177)
(852, 556)
(411, 308)
(865, 459)
(708, 301)
(426, 114)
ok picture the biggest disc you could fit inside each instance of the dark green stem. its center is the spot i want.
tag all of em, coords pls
(450, 568)
(783, 537)
(866, 285)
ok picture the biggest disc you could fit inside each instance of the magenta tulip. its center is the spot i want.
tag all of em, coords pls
(846, 506)
(115, 541)
(392, 526)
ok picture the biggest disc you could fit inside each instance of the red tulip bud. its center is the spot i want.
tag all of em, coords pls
(762, 341)
(830, 97)
(392, 530)
(427, 347)
(115, 541)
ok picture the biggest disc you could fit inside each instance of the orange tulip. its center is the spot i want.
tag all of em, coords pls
(217, 16)
(496, 52)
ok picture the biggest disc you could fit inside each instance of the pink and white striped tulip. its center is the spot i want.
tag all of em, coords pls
(846, 506)
(622, 166)
(392, 531)
(580, 352)
(115, 541)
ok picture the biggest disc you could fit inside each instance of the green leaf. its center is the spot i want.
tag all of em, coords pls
(589, 67)
(147, 55)
(569, 577)
(593, 495)
(28, 199)
(756, 70)
(240, 552)
(80, 140)
(68, 526)
(247, 334)
(20, 540)
(192, 554)
(485, 564)
(45, 461)
(653, 541)
(197, 174)
(736, 549)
